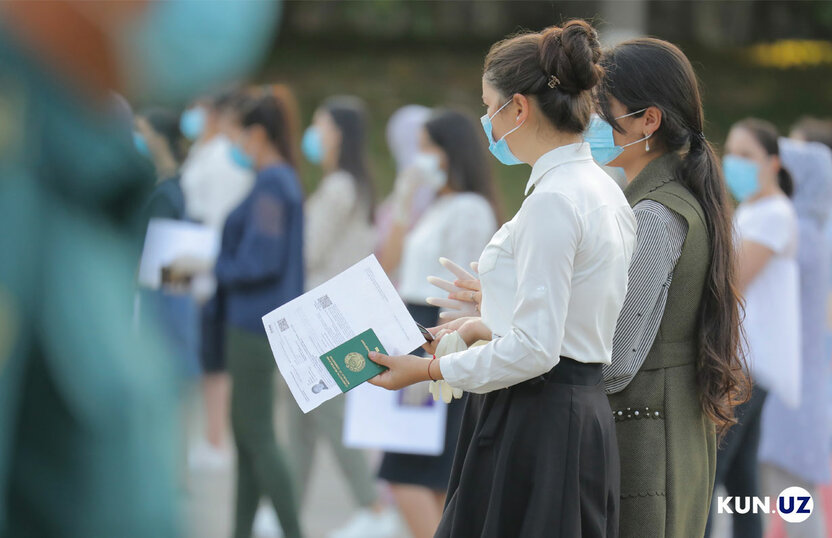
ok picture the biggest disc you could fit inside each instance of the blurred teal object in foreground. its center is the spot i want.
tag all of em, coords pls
(181, 47)
(87, 406)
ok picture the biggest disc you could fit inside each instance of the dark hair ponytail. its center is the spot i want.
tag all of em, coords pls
(350, 116)
(274, 108)
(765, 133)
(558, 66)
(650, 72)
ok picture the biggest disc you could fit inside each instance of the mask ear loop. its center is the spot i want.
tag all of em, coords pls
(645, 139)
(515, 119)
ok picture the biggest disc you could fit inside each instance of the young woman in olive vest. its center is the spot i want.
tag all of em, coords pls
(675, 373)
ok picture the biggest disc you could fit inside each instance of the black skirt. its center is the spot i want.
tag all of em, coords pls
(538, 459)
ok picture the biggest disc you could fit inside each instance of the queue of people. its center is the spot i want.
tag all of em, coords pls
(627, 354)
(635, 320)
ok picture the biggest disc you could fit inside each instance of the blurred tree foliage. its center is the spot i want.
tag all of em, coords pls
(395, 52)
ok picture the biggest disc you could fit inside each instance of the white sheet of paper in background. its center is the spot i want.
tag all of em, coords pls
(300, 331)
(167, 240)
(376, 418)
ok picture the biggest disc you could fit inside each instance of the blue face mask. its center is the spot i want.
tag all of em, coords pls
(601, 142)
(312, 145)
(741, 176)
(141, 144)
(240, 158)
(178, 48)
(192, 123)
(499, 148)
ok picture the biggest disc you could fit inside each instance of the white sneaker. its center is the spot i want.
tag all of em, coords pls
(266, 524)
(368, 524)
(204, 455)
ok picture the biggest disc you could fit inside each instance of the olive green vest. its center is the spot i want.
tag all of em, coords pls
(676, 341)
(666, 443)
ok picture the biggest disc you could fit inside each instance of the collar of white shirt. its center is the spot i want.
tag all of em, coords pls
(578, 151)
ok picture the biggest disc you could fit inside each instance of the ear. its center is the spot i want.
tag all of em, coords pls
(775, 163)
(258, 133)
(520, 108)
(652, 120)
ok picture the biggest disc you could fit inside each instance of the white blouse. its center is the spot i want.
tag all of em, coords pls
(553, 278)
(456, 226)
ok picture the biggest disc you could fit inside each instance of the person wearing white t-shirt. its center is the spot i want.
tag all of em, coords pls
(457, 225)
(766, 231)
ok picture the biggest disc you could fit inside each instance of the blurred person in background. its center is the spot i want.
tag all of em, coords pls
(809, 129)
(260, 267)
(794, 444)
(157, 137)
(403, 134)
(766, 231)
(213, 185)
(338, 232)
(457, 225)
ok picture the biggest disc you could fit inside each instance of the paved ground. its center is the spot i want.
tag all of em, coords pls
(209, 493)
(208, 496)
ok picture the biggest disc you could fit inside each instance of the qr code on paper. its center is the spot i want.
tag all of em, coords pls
(282, 324)
(323, 302)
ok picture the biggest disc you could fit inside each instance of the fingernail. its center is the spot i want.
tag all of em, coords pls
(373, 354)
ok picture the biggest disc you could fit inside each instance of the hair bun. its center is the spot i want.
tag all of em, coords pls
(571, 54)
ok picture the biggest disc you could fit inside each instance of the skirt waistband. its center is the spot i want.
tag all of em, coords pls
(571, 372)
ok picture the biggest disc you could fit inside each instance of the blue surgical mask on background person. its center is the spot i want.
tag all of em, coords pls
(601, 141)
(192, 123)
(240, 157)
(742, 176)
(499, 148)
(431, 168)
(312, 146)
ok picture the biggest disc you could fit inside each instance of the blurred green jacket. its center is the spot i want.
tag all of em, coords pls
(87, 407)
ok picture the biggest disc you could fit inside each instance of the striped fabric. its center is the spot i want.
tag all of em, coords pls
(660, 234)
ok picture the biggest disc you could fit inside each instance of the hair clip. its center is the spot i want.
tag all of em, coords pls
(553, 81)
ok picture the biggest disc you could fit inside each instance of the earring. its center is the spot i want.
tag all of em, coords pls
(647, 145)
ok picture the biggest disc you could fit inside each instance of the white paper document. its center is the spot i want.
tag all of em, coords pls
(168, 240)
(407, 420)
(300, 331)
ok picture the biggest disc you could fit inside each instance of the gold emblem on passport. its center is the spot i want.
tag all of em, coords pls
(355, 361)
(353, 365)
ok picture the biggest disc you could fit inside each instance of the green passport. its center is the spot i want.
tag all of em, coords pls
(350, 364)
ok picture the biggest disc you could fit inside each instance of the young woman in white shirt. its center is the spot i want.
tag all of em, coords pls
(457, 224)
(766, 232)
(537, 454)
